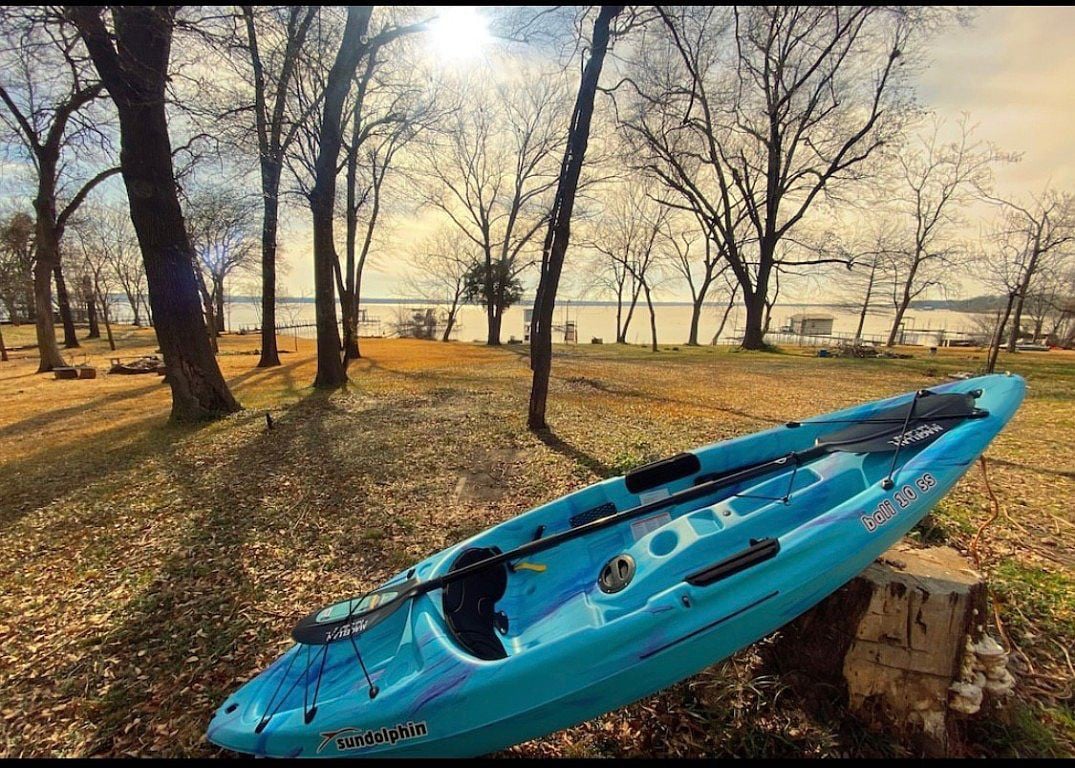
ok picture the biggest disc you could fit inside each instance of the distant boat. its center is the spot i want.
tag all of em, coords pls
(1027, 346)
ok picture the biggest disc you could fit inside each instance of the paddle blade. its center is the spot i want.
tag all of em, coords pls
(350, 618)
(883, 432)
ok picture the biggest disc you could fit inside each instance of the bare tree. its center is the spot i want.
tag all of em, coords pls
(937, 179)
(608, 275)
(627, 236)
(96, 244)
(118, 243)
(331, 371)
(1047, 223)
(223, 230)
(868, 280)
(392, 107)
(438, 272)
(729, 287)
(495, 169)
(699, 260)
(47, 89)
(1002, 261)
(753, 116)
(1049, 295)
(559, 232)
(272, 47)
(356, 44)
(132, 60)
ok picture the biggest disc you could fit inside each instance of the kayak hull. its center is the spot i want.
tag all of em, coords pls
(574, 651)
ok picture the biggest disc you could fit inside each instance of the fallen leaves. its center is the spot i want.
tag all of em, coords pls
(147, 570)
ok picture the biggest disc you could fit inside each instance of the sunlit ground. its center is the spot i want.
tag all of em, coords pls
(146, 570)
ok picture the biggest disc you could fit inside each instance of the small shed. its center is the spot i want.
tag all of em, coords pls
(811, 324)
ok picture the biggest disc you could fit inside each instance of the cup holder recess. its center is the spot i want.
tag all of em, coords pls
(663, 543)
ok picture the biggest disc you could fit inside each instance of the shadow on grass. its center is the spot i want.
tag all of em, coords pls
(40, 479)
(284, 374)
(282, 506)
(558, 444)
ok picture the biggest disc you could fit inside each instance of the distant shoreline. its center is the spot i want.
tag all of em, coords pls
(975, 305)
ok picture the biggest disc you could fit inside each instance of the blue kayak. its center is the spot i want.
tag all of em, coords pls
(615, 591)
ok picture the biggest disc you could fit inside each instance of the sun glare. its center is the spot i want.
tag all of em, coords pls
(458, 32)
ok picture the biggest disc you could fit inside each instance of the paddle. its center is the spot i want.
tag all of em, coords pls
(864, 436)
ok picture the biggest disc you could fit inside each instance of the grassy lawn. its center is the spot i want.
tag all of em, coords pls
(147, 569)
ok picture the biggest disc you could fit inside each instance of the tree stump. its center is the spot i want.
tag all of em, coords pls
(903, 644)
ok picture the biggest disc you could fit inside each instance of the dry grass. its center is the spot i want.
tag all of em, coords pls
(147, 569)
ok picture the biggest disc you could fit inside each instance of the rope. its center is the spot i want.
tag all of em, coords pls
(1011, 646)
(992, 518)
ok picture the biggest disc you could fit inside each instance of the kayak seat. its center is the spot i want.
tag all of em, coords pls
(470, 605)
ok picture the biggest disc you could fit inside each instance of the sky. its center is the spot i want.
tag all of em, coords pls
(1012, 70)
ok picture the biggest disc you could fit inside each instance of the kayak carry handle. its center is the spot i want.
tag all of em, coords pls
(759, 551)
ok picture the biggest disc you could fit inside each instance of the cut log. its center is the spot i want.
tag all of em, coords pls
(903, 643)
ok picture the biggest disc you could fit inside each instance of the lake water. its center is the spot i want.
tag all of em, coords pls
(598, 320)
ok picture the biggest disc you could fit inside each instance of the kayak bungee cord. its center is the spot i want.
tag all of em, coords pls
(888, 483)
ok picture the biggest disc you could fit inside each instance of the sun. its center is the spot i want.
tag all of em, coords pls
(458, 32)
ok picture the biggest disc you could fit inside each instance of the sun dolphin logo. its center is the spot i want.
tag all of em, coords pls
(916, 435)
(351, 738)
(344, 631)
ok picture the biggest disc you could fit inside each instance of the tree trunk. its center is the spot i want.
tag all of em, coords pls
(495, 321)
(70, 340)
(630, 314)
(270, 189)
(207, 307)
(652, 318)
(998, 336)
(348, 300)
(47, 246)
(218, 293)
(450, 324)
(696, 316)
(902, 646)
(1024, 287)
(104, 311)
(754, 331)
(30, 302)
(108, 327)
(91, 308)
(866, 303)
(331, 371)
(559, 233)
(901, 308)
(3, 347)
(619, 312)
(135, 303)
(46, 329)
(355, 352)
(135, 72)
(724, 317)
